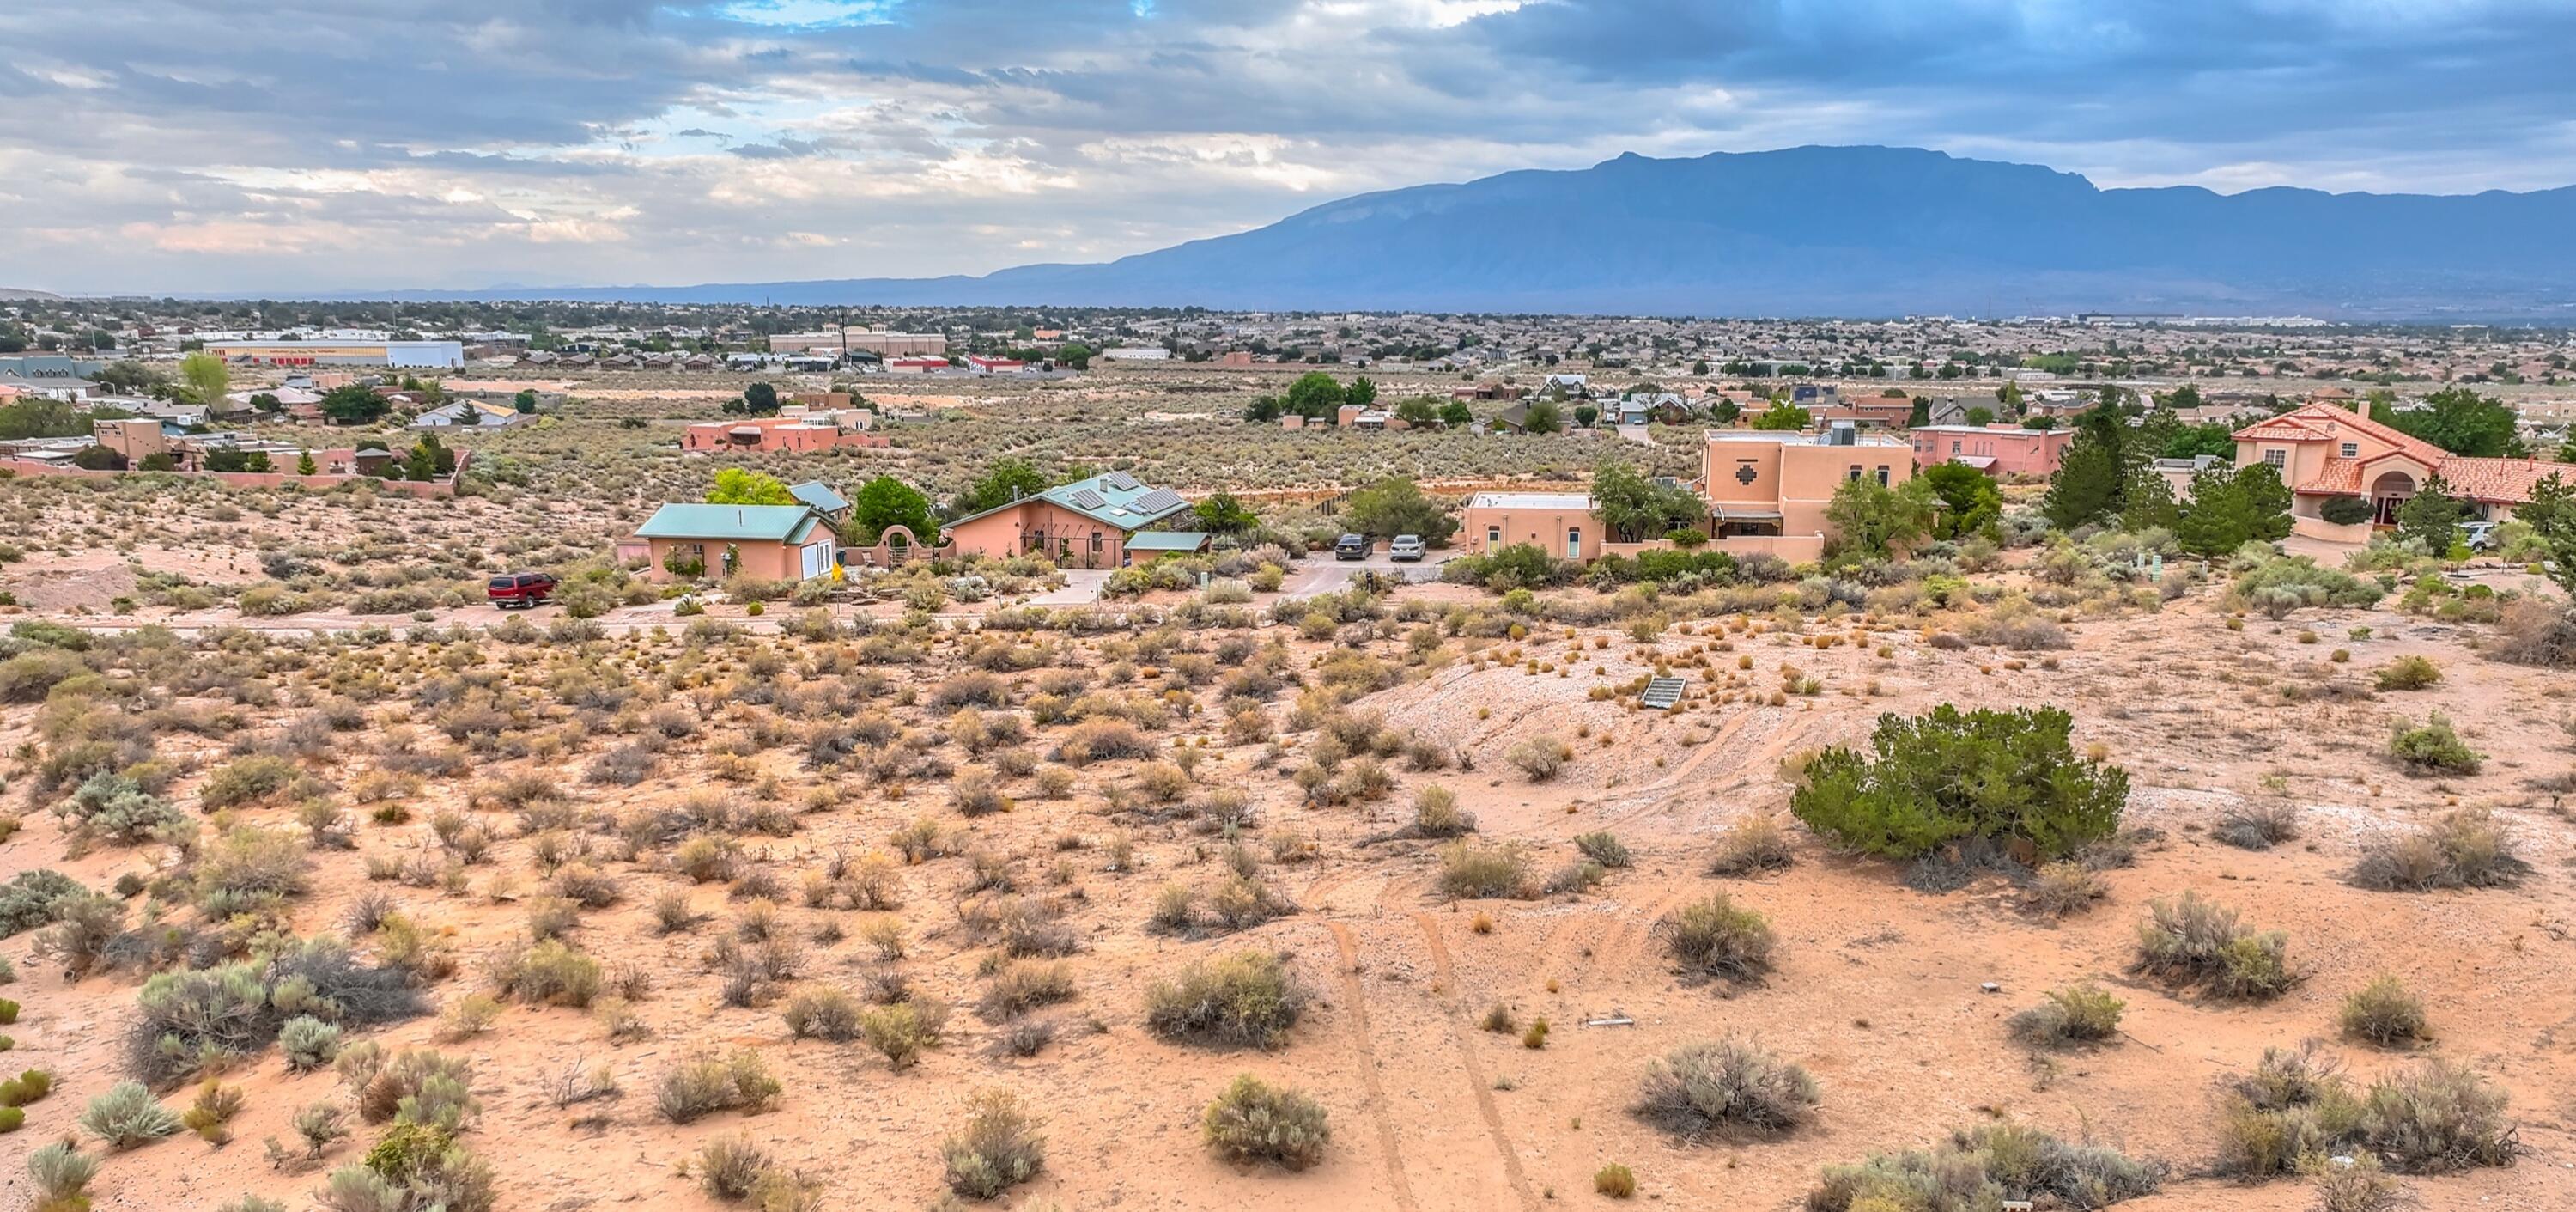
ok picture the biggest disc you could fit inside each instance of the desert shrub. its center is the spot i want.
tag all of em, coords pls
(248, 866)
(31, 898)
(2432, 747)
(1615, 1180)
(2462, 848)
(1097, 740)
(1025, 985)
(1713, 937)
(1977, 1169)
(1436, 813)
(29, 1087)
(825, 1013)
(2195, 942)
(2297, 1105)
(308, 1043)
(2407, 673)
(2438, 1117)
(730, 1166)
(127, 1115)
(1750, 845)
(2277, 586)
(2002, 776)
(2062, 888)
(215, 1107)
(246, 780)
(706, 1083)
(2077, 1013)
(902, 1030)
(1472, 870)
(115, 809)
(2535, 631)
(1728, 1087)
(2258, 826)
(552, 973)
(1539, 757)
(62, 1174)
(1253, 1121)
(997, 1148)
(205, 1018)
(2384, 1013)
(1604, 848)
(1244, 998)
(2355, 1184)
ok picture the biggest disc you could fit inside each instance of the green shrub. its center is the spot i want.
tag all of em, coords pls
(2439, 1117)
(826, 1014)
(2003, 776)
(193, 1020)
(2194, 942)
(28, 1087)
(1244, 998)
(1436, 813)
(246, 780)
(550, 973)
(1730, 1087)
(1604, 848)
(2384, 1013)
(706, 1083)
(901, 1031)
(1473, 870)
(8, 1012)
(1714, 938)
(998, 1147)
(2408, 673)
(2277, 586)
(2297, 1105)
(1024, 985)
(2432, 747)
(127, 1115)
(2081, 1012)
(308, 1042)
(1615, 1180)
(32, 898)
(2462, 848)
(62, 1174)
(115, 809)
(1253, 1121)
(1979, 1168)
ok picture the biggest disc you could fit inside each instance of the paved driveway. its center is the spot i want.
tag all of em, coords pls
(1321, 573)
(1081, 588)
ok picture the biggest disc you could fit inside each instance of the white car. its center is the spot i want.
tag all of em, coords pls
(1405, 547)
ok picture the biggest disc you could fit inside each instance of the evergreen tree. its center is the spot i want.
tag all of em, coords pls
(2150, 505)
(2268, 498)
(2220, 518)
(886, 501)
(2432, 515)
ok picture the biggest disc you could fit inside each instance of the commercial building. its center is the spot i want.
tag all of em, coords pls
(838, 341)
(419, 355)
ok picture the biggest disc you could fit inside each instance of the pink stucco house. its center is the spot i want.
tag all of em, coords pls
(1997, 450)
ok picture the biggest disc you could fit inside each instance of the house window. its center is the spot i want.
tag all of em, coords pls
(2277, 458)
(1854, 473)
(2352, 450)
(1882, 475)
(1095, 542)
(1954, 446)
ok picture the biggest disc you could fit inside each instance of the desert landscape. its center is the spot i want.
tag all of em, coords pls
(330, 885)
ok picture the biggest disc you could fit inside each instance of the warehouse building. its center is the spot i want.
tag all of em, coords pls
(426, 355)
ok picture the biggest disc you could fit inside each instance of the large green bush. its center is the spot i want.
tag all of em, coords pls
(2003, 776)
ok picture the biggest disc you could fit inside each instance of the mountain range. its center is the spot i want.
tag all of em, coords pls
(1841, 231)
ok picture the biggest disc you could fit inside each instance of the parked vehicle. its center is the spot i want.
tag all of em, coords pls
(1351, 547)
(1405, 547)
(2478, 535)
(521, 589)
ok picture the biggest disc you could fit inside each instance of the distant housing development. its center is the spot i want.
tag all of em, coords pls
(425, 355)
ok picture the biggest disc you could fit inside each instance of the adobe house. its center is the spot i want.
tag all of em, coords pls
(1558, 523)
(1766, 483)
(1086, 524)
(773, 542)
(1997, 450)
(2330, 449)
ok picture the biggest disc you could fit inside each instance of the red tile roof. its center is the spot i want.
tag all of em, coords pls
(2506, 480)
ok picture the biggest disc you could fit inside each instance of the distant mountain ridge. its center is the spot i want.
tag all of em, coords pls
(1844, 231)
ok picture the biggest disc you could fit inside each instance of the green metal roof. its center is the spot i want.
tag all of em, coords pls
(731, 523)
(819, 495)
(1115, 499)
(1167, 540)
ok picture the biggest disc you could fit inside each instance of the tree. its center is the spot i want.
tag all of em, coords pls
(2193, 441)
(2185, 396)
(2551, 514)
(304, 464)
(257, 460)
(206, 376)
(2042, 422)
(1727, 411)
(2220, 518)
(1921, 415)
(1263, 409)
(2005, 776)
(2267, 498)
(1585, 415)
(2150, 505)
(2096, 469)
(98, 458)
(1456, 412)
(525, 401)
(1783, 416)
(1971, 504)
(1394, 506)
(1636, 508)
(266, 402)
(1360, 392)
(1979, 414)
(1221, 513)
(2432, 515)
(1418, 410)
(886, 501)
(2458, 420)
(759, 399)
(1871, 521)
(1315, 396)
(352, 405)
(1007, 480)
(740, 486)
(159, 460)
(1074, 354)
(1544, 416)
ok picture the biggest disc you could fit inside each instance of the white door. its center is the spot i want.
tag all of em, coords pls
(1573, 543)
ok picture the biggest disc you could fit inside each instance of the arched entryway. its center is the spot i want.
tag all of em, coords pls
(2389, 492)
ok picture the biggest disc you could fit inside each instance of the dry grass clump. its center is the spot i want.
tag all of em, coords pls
(1436, 813)
(2194, 942)
(998, 1147)
(1243, 999)
(1478, 870)
(902, 1030)
(1539, 757)
(1714, 938)
(1730, 1087)
(823, 1013)
(2258, 826)
(707, 1083)
(2407, 673)
(1024, 985)
(1604, 848)
(1979, 1168)
(2062, 889)
(2462, 848)
(2297, 1105)
(2385, 1014)
(1253, 1121)
(1615, 1180)
(2080, 1013)
(550, 973)
(1754, 844)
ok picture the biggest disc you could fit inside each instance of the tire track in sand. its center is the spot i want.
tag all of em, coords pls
(1483, 1085)
(1393, 1162)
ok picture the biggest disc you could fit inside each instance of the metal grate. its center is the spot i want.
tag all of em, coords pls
(1663, 694)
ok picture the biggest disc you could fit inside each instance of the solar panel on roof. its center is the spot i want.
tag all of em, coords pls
(1122, 481)
(1158, 500)
(1088, 499)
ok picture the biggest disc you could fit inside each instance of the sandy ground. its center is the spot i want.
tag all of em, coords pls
(1878, 988)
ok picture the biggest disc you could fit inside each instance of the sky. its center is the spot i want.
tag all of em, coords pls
(269, 147)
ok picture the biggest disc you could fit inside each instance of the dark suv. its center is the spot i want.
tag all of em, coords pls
(1351, 547)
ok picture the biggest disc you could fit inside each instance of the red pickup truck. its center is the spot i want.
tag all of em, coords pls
(521, 589)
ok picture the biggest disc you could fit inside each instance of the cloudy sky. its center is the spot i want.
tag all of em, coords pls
(274, 146)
